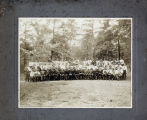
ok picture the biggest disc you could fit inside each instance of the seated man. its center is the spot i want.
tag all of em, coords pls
(62, 74)
(105, 74)
(110, 74)
(70, 73)
(116, 73)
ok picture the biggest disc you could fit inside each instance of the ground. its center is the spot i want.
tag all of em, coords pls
(76, 93)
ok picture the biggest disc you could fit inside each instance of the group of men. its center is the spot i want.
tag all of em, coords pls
(76, 70)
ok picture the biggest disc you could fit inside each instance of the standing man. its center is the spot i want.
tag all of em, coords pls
(27, 73)
(124, 75)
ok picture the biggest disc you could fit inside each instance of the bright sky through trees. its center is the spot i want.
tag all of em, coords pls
(80, 25)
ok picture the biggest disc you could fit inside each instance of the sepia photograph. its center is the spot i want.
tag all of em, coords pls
(75, 62)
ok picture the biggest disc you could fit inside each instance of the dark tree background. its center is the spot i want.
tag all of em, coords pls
(114, 42)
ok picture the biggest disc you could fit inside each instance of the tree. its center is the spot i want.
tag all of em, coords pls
(88, 40)
(41, 48)
(60, 47)
(103, 45)
(114, 39)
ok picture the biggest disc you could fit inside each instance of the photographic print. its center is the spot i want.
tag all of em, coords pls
(75, 62)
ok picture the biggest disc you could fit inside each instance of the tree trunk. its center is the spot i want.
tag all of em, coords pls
(118, 50)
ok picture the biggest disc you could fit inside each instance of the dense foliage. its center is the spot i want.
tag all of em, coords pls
(50, 41)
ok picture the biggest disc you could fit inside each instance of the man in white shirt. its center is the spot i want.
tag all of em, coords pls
(124, 68)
